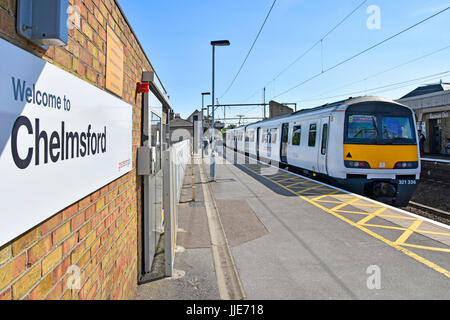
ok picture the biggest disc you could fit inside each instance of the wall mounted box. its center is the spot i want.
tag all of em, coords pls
(43, 22)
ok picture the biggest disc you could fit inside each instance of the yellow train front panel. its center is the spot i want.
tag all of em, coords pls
(381, 156)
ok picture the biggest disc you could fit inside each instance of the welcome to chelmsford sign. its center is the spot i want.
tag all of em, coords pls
(60, 140)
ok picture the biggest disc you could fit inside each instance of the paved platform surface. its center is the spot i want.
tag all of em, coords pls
(293, 238)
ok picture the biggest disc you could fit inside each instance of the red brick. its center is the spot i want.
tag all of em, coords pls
(42, 288)
(39, 249)
(59, 234)
(70, 243)
(50, 224)
(70, 212)
(77, 221)
(6, 295)
(61, 269)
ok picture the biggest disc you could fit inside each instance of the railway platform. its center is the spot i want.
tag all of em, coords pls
(290, 237)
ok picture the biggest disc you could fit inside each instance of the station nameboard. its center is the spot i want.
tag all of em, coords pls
(60, 140)
(114, 63)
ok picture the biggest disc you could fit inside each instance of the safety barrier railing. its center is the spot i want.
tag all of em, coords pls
(175, 161)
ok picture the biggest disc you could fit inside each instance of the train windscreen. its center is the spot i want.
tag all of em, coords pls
(379, 123)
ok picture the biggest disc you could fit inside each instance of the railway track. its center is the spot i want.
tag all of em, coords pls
(429, 212)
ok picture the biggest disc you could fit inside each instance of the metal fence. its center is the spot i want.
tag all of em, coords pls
(175, 161)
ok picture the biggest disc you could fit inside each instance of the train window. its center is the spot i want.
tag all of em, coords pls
(362, 127)
(273, 135)
(251, 136)
(397, 128)
(264, 137)
(296, 135)
(324, 139)
(312, 135)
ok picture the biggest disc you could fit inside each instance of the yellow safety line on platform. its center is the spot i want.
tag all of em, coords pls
(373, 234)
(326, 195)
(408, 232)
(327, 201)
(425, 247)
(344, 204)
(397, 217)
(371, 216)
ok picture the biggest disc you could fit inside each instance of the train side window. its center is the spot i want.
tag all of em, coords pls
(296, 135)
(324, 139)
(312, 135)
(273, 135)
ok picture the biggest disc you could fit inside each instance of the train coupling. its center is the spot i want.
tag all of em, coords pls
(384, 189)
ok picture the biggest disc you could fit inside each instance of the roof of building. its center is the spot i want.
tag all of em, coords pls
(178, 122)
(427, 89)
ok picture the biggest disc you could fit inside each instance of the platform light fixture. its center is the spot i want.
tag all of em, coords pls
(219, 43)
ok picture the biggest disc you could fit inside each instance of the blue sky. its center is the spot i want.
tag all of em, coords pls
(176, 36)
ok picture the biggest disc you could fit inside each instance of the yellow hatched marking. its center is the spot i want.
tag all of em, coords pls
(433, 232)
(327, 201)
(376, 236)
(384, 227)
(304, 190)
(284, 179)
(345, 204)
(371, 216)
(354, 212)
(425, 247)
(294, 184)
(368, 205)
(397, 217)
(408, 232)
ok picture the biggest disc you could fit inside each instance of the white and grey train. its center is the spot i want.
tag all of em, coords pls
(367, 145)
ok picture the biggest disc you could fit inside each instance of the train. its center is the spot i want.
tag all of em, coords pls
(366, 145)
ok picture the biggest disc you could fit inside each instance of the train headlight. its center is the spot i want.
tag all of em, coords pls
(356, 164)
(406, 165)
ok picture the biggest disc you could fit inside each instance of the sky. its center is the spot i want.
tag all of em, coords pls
(176, 36)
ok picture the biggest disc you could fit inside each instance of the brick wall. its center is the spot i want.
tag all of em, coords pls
(100, 234)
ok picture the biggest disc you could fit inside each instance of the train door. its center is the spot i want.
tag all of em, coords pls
(284, 142)
(269, 144)
(258, 132)
(323, 147)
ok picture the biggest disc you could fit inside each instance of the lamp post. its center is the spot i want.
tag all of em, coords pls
(212, 172)
(203, 106)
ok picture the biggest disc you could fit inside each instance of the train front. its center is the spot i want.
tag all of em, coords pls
(381, 156)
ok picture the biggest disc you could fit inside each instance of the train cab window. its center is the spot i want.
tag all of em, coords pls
(362, 127)
(396, 128)
(273, 135)
(312, 135)
(296, 135)
(324, 139)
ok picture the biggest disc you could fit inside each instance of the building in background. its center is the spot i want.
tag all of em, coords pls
(431, 104)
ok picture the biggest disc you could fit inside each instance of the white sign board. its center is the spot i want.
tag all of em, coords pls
(60, 140)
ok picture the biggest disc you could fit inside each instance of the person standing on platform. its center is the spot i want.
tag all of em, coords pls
(422, 140)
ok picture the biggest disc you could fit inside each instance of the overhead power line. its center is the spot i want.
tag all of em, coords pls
(392, 86)
(380, 73)
(320, 41)
(362, 52)
(249, 51)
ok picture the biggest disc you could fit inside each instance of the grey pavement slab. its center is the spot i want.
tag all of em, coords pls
(311, 254)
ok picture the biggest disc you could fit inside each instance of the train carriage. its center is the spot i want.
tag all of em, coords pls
(367, 145)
